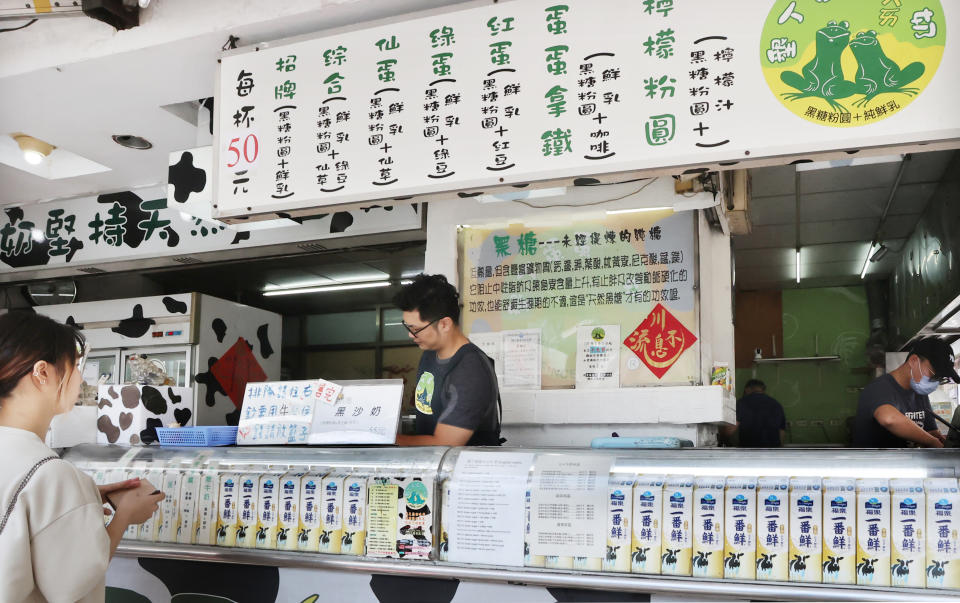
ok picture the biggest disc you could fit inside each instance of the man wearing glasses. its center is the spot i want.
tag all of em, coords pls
(457, 396)
(894, 410)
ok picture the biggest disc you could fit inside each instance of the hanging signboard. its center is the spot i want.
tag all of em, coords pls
(635, 271)
(533, 90)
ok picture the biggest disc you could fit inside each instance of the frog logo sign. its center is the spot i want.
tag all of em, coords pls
(598, 334)
(851, 64)
(424, 394)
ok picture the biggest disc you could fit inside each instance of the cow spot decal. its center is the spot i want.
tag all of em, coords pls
(182, 415)
(149, 435)
(186, 178)
(210, 383)
(219, 328)
(126, 419)
(174, 306)
(136, 325)
(174, 398)
(266, 350)
(130, 396)
(104, 402)
(153, 400)
(106, 426)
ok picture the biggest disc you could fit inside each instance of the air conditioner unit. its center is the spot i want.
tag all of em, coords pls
(736, 201)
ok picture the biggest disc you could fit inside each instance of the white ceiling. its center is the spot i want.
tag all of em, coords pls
(840, 209)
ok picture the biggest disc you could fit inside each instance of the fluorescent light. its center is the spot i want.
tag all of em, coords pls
(834, 163)
(37, 235)
(866, 261)
(328, 288)
(637, 210)
(880, 253)
(798, 265)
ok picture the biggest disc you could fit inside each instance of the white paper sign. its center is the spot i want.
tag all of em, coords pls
(598, 356)
(277, 412)
(492, 346)
(485, 524)
(329, 392)
(568, 505)
(521, 358)
(367, 412)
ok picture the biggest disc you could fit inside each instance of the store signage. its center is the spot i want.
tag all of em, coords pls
(533, 90)
(144, 224)
(607, 270)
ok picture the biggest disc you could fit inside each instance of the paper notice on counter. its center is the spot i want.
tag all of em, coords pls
(492, 346)
(382, 519)
(485, 525)
(598, 356)
(367, 412)
(521, 359)
(568, 505)
(277, 412)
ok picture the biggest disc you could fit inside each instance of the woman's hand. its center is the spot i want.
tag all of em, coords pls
(106, 489)
(136, 505)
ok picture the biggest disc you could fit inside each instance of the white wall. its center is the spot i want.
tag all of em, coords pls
(716, 317)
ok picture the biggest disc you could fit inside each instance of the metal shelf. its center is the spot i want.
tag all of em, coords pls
(672, 585)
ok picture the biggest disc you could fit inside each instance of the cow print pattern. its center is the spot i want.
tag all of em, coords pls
(153, 400)
(173, 306)
(126, 420)
(136, 325)
(174, 398)
(240, 237)
(106, 426)
(149, 435)
(182, 415)
(104, 402)
(219, 329)
(186, 178)
(73, 323)
(130, 396)
(210, 383)
(266, 350)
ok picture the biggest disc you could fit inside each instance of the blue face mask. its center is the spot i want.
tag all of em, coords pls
(926, 385)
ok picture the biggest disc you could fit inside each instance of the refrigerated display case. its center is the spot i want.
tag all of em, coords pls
(175, 360)
(416, 539)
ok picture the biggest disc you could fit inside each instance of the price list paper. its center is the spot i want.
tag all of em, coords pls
(568, 505)
(382, 517)
(485, 524)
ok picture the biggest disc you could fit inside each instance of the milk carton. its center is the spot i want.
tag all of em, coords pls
(647, 519)
(288, 515)
(740, 529)
(773, 519)
(708, 508)
(150, 529)
(444, 546)
(557, 562)
(354, 515)
(528, 559)
(170, 506)
(268, 510)
(587, 564)
(189, 491)
(873, 532)
(619, 519)
(839, 531)
(247, 496)
(208, 497)
(943, 525)
(137, 470)
(676, 525)
(331, 513)
(806, 529)
(311, 505)
(227, 505)
(415, 514)
(110, 475)
(908, 525)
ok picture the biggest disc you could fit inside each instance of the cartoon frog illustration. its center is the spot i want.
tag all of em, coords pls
(823, 76)
(877, 73)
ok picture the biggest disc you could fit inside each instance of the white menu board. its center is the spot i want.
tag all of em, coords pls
(568, 515)
(533, 90)
(367, 412)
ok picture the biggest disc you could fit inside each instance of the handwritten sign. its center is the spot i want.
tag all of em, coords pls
(278, 412)
(327, 392)
(366, 412)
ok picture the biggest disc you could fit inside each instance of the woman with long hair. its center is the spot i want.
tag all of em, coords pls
(53, 543)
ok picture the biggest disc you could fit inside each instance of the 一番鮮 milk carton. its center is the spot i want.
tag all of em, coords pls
(647, 519)
(943, 524)
(873, 532)
(331, 515)
(619, 518)
(908, 512)
(311, 508)
(268, 505)
(806, 529)
(677, 524)
(773, 520)
(740, 525)
(247, 496)
(354, 515)
(288, 516)
(529, 560)
(708, 509)
(839, 530)
(227, 503)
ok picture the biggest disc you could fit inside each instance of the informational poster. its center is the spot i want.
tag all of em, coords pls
(485, 525)
(526, 90)
(278, 412)
(521, 358)
(568, 505)
(620, 269)
(382, 518)
(366, 412)
(598, 356)
(492, 346)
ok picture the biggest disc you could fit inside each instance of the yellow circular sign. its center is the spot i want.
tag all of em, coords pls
(851, 63)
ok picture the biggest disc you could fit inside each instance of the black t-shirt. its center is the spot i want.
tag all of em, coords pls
(761, 418)
(867, 433)
(461, 391)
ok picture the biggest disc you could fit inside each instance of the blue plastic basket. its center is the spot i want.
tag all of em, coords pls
(197, 436)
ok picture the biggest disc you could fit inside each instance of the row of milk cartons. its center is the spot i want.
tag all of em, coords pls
(317, 512)
(876, 532)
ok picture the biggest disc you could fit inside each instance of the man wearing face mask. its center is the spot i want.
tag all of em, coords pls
(894, 410)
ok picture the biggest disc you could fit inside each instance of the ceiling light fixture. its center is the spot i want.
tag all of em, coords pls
(132, 142)
(866, 261)
(34, 150)
(798, 265)
(880, 253)
(331, 288)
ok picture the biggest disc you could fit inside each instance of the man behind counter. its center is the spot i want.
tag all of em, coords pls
(457, 396)
(894, 409)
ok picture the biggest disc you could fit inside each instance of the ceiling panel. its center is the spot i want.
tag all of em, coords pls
(836, 231)
(879, 175)
(765, 211)
(851, 204)
(926, 167)
(834, 252)
(767, 236)
(912, 198)
(771, 181)
(756, 258)
(899, 227)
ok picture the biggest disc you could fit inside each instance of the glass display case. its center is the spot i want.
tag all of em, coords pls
(756, 524)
